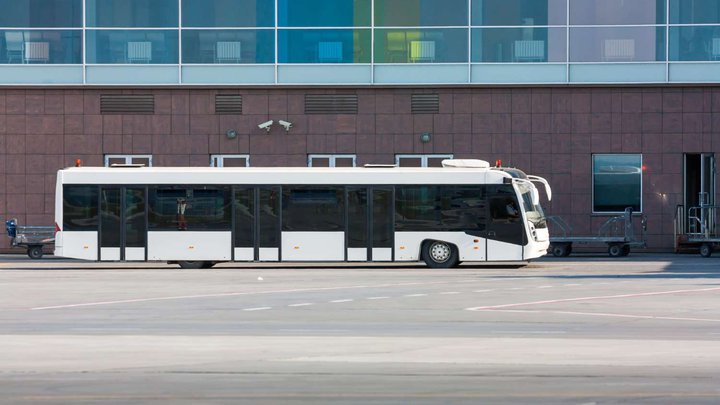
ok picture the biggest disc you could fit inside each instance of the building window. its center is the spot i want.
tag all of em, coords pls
(420, 160)
(145, 160)
(229, 160)
(617, 183)
(331, 160)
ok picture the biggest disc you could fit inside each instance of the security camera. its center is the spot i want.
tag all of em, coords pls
(266, 125)
(285, 124)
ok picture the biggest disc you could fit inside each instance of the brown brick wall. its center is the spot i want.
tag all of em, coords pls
(550, 132)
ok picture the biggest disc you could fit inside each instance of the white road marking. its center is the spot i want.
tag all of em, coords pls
(304, 304)
(450, 293)
(377, 298)
(340, 301)
(545, 286)
(257, 309)
(482, 291)
(235, 294)
(415, 295)
(611, 315)
(534, 332)
(515, 288)
(571, 285)
(600, 297)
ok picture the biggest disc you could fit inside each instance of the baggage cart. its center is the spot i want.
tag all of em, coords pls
(32, 238)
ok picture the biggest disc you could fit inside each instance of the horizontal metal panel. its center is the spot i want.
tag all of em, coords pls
(127, 104)
(331, 104)
(425, 104)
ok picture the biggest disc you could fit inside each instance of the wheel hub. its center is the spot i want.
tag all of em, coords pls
(440, 252)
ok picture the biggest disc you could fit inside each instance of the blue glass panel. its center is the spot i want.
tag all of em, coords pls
(228, 13)
(132, 13)
(690, 43)
(324, 13)
(694, 12)
(617, 182)
(415, 13)
(518, 45)
(228, 46)
(617, 44)
(617, 12)
(428, 45)
(136, 46)
(60, 47)
(519, 12)
(41, 13)
(324, 46)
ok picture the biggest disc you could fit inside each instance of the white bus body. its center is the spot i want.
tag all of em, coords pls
(201, 216)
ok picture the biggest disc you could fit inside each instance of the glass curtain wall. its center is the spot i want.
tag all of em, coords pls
(694, 30)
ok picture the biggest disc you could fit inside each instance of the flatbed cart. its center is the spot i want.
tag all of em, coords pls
(704, 228)
(32, 238)
(617, 232)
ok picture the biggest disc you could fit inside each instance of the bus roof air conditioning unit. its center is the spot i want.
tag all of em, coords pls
(466, 163)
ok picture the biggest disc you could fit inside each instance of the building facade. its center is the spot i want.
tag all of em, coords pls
(616, 102)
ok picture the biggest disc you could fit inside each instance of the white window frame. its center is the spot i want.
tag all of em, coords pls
(592, 183)
(128, 159)
(219, 159)
(332, 158)
(423, 158)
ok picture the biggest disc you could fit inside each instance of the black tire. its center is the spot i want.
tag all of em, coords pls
(192, 265)
(626, 250)
(615, 249)
(706, 250)
(35, 252)
(561, 249)
(440, 255)
(208, 265)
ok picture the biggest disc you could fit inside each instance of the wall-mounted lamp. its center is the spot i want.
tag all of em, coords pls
(425, 137)
(231, 134)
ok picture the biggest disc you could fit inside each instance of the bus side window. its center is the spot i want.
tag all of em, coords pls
(504, 208)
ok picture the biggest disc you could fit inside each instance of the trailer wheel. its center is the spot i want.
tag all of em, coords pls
(35, 252)
(615, 249)
(626, 250)
(706, 250)
(561, 249)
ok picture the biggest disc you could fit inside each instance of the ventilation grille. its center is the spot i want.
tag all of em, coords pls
(425, 104)
(127, 104)
(228, 104)
(331, 104)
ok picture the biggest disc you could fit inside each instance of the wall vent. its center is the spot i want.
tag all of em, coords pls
(425, 104)
(228, 104)
(331, 104)
(127, 104)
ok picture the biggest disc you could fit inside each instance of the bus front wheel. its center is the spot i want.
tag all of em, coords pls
(438, 254)
(194, 264)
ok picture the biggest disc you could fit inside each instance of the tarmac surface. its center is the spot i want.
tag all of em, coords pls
(580, 330)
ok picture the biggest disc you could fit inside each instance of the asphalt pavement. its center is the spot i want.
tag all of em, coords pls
(580, 330)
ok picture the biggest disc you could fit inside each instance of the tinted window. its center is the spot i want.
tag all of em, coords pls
(519, 12)
(132, 13)
(506, 223)
(190, 209)
(41, 46)
(228, 46)
(382, 218)
(244, 206)
(694, 11)
(80, 208)
(357, 218)
(228, 13)
(426, 45)
(414, 13)
(617, 182)
(132, 46)
(313, 209)
(440, 208)
(324, 46)
(324, 13)
(269, 217)
(41, 13)
(110, 217)
(617, 12)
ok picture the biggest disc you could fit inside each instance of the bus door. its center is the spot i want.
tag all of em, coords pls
(370, 228)
(505, 228)
(256, 223)
(123, 223)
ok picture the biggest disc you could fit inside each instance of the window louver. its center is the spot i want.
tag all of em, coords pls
(127, 104)
(425, 104)
(331, 104)
(228, 104)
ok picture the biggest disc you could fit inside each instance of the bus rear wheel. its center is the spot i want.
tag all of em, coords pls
(440, 255)
(193, 265)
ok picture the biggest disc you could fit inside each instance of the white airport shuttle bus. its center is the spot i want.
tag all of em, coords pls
(196, 217)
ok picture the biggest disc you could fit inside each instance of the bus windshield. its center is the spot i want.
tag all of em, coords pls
(534, 212)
